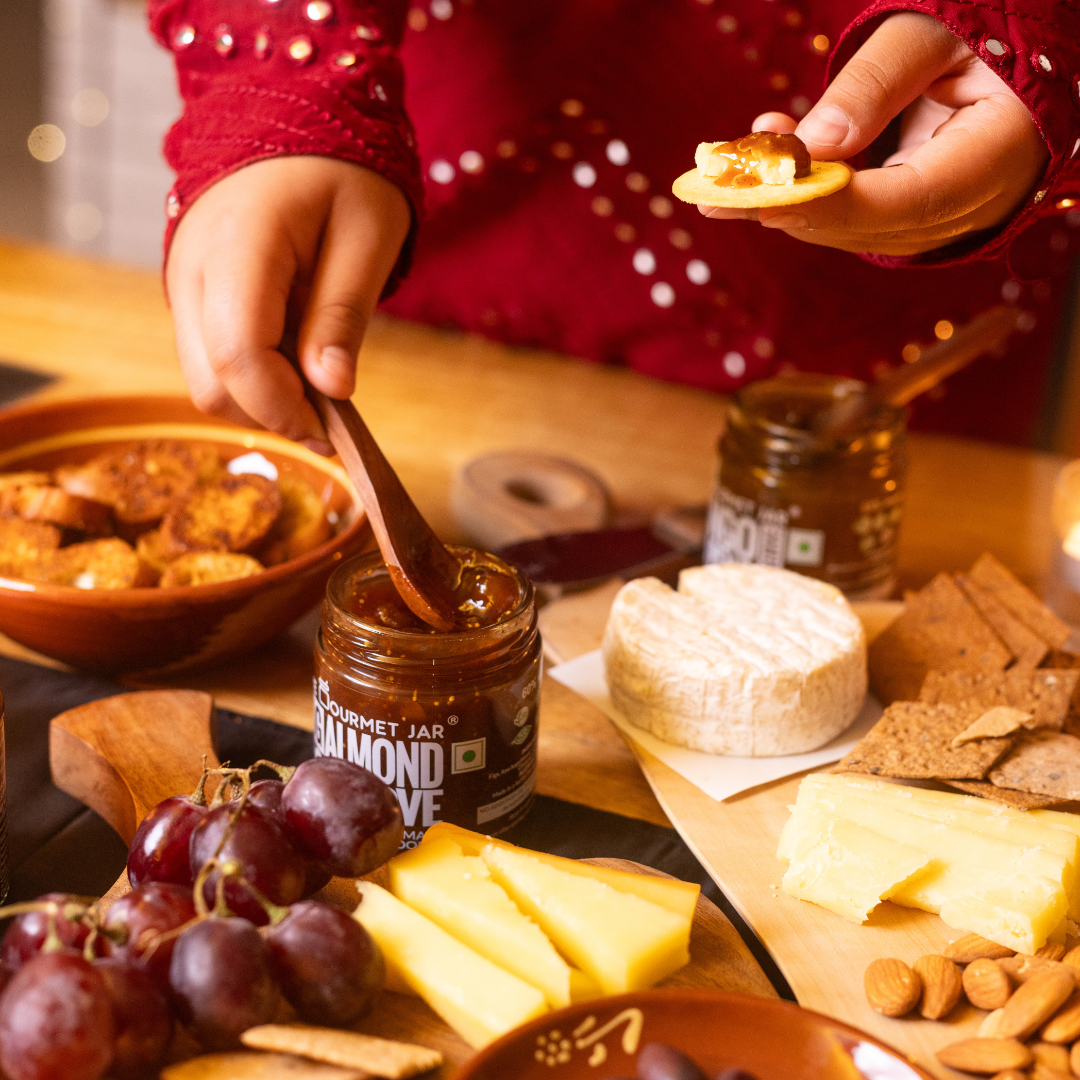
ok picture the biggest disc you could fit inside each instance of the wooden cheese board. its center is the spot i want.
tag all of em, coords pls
(122, 755)
(822, 955)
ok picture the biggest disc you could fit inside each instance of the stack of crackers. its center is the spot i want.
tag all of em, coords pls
(981, 688)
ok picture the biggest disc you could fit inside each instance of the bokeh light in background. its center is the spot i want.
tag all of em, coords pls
(90, 107)
(46, 142)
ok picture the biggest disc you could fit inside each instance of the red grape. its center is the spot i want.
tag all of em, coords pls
(56, 1021)
(658, 1061)
(28, 931)
(326, 963)
(265, 858)
(266, 795)
(159, 848)
(342, 816)
(147, 912)
(221, 981)
(142, 1021)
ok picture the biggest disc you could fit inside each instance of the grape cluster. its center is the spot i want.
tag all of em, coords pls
(216, 929)
(658, 1061)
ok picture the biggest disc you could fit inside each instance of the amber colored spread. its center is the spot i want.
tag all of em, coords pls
(746, 157)
(485, 593)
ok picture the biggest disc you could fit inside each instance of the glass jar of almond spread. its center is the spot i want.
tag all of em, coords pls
(448, 720)
(829, 509)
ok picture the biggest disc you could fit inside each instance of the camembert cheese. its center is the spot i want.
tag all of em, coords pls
(743, 659)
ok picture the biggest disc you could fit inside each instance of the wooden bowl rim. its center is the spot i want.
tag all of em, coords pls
(691, 995)
(156, 596)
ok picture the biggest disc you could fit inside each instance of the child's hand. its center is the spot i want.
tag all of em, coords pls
(969, 150)
(310, 234)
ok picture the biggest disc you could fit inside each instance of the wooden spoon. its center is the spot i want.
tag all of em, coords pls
(967, 343)
(423, 571)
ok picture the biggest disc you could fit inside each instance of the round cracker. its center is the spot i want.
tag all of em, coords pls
(825, 178)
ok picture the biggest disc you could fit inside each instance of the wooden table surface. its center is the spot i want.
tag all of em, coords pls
(435, 399)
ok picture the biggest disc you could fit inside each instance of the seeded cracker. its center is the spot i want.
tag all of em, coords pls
(249, 1066)
(913, 741)
(1044, 693)
(939, 629)
(1029, 649)
(1019, 599)
(375, 1057)
(1042, 762)
(1022, 800)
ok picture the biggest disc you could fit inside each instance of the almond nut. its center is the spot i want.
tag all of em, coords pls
(986, 1056)
(1050, 951)
(1074, 1058)
(986, 984)
(892, 988)
(1036, 1001)
(1050, 1056)
(1010, 1074)
(941, 985)
(1072, 957)
(1022, 968)
(973, 947)
(1065, 1027)
(989, 1028)
(1045, 1072)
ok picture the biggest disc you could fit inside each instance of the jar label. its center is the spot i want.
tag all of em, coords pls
(471, 762)
(854, 551)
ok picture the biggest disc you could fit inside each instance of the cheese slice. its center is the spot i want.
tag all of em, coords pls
(456, 892)
(620, 941)
(477, 998)
(1009, 892)
(847, 868)
(680, 897)
(743, 659)
(979, 815)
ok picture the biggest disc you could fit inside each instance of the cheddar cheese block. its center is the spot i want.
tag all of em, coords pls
(477, 998)
(456, 892)
(743, 659)
(999, 874)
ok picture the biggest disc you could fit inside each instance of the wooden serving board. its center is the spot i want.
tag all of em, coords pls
(123, 755)
(822, 955)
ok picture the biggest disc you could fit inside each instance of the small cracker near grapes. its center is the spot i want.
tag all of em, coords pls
(376, 1057)
(825, 178)
(250, 1066)
(997, 722)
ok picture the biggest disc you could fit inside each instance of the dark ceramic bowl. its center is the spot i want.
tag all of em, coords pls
(154, 630)
(773, 1040)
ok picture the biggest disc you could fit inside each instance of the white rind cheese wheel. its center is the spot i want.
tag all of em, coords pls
(745, 660)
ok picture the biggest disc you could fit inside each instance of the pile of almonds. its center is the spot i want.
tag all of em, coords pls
(1032, 1028)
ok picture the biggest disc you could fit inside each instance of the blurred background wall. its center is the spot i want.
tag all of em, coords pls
(86, 96)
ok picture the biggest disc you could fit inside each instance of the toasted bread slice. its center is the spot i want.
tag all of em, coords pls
(208, 567)
(12, 480)
(43, 502)
(27, 548)
(144, 482)
(233, 514)
(100, 564)
(301, 525)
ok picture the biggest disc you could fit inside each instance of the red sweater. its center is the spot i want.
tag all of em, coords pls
(546, 139)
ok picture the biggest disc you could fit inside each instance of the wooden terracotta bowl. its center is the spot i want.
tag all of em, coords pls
(770, 1039)
(145, 630)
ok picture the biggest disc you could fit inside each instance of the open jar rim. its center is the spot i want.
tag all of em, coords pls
(749, 413)
(415, 644)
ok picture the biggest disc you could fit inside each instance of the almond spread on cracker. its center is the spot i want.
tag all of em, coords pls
(760, 169)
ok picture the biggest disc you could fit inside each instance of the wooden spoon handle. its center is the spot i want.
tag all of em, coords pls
(423, 571)
(938, 362)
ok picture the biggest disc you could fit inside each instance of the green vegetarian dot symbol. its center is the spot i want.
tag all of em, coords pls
(804, 547)
(469, 755)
